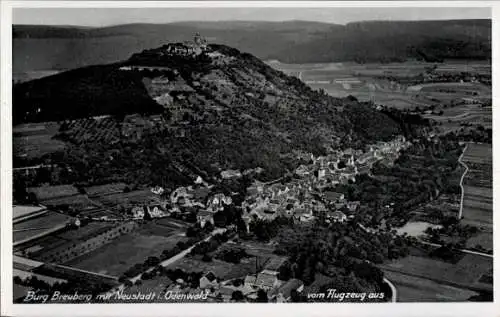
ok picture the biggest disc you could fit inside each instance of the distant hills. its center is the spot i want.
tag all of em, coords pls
(38, 47)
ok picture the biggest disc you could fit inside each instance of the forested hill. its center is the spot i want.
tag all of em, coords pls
(50, 47)
(220, 108)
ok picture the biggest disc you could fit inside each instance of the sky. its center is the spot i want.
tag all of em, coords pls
(114, 16)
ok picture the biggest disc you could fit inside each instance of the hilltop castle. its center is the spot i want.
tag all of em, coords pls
(195, 47)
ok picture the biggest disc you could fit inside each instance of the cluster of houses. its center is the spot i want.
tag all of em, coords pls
(198, 196)
(248, 287)
(305, 196)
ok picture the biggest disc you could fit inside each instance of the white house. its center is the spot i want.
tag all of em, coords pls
(138, 212)
(208, 281)
(336, 216)
(203, 217)
(158, 190)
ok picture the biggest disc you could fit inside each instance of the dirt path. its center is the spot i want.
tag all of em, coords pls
(462, 183)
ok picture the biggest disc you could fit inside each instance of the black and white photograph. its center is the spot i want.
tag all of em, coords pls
(248, 154)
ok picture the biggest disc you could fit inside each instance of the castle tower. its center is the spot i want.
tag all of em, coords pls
(197, 39)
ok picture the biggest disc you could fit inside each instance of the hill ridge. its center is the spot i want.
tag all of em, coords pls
(217, 108)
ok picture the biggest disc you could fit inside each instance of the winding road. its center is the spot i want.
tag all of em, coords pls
(164, 263)
(394, 291)
(461, 250)
(462, 183)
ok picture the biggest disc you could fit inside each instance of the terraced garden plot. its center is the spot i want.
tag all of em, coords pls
(105, 189)
(91, 129)
(78, 202)
(130, 198)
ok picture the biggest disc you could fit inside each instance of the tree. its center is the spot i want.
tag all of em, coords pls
(262, 296)
(294, 296)
(238, 282)
(237, 296)
(206, 258)
(285, 272)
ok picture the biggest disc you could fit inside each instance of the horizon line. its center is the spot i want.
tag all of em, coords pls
(247, 21)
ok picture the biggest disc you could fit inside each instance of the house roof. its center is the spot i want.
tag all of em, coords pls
(201, 193)
(266, 279)
(332, 195)
(204, 213)
(300, 211)
(210, 276)
(275, 263)
(250, 279)
(336, 214)
(224, 290)
(365, 156)
(287, 288)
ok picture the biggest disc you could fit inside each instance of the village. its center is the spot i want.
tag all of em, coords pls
(305, 195)
(309, 193)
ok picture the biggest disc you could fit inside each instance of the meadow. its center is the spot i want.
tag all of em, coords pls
(466, 273)
(124, 252)
(419, 289)
(34, 140)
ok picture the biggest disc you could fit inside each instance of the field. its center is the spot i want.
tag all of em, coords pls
(78, 202)
(221, 269)
(38, 226)
(126, 251)
(34, 140)
(131, 198)
(50, 192)
(20, 211)
(377, 82)
(19, 77)
(63, 239)
(478, 153)
(417, 289)
(478, 208)
(102, 129)
(105, 189)
(259, 255)
(466, 273)
(478, 197)
(484, 239)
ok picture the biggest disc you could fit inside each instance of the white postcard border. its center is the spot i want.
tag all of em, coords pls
(382, 310)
